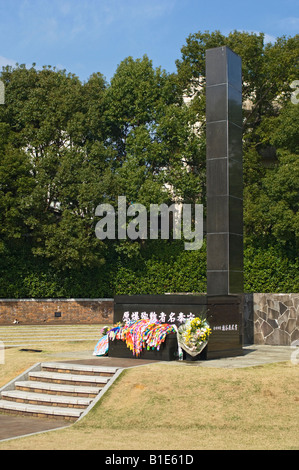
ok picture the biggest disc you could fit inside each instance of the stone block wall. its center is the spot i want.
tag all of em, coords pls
(56, 311)
(276, 319)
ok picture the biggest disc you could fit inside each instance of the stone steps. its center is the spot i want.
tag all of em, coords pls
(57, 390)
(68, 379)
(33, 398)
(25, 335)
(79, 369)
(40, 411)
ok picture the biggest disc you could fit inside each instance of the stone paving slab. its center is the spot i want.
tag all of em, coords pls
(253, 355)
(16, 426)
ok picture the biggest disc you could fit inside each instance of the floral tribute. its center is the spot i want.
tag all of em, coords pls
(138, 335)
(193, 335)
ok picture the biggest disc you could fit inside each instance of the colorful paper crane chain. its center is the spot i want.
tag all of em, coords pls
(142, 334)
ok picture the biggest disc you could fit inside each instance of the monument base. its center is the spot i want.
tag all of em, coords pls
(224, 315)
(225, 318)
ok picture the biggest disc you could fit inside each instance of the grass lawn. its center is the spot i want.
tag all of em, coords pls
(176, 406)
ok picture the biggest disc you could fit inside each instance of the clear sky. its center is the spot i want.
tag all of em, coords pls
(86, 36)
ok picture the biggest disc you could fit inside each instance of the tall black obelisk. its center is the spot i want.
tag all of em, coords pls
(224, 172)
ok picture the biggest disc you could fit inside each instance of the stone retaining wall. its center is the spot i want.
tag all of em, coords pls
(56, 311)
(276, 319)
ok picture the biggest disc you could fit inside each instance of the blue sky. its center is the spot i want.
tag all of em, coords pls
(86, 36)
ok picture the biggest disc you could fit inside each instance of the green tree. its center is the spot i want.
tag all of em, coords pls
(268, 69)
(272, 203)
(16, 184)
(151, 130)
(55, 126)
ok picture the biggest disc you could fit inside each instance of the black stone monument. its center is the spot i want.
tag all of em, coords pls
(224, 172)
(224, 200)
(223, 301)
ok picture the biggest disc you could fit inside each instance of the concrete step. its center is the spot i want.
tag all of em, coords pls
(55, 390)
(59, 389)
(78, 369)
(40, 411)
(46, 399)
(71, 379)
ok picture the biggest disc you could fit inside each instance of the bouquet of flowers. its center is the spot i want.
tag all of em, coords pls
(101, 348)
(193, 335)
(105, 330)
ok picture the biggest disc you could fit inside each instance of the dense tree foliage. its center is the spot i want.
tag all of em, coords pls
(68, 146)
